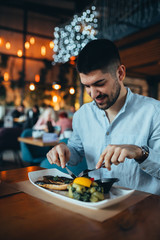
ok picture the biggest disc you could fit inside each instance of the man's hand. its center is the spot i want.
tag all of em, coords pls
(116, 154)
(59, 155)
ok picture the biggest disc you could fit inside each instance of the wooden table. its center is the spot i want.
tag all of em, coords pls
(25, 217)
(37, 141)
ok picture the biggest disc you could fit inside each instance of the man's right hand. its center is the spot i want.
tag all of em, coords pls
(59, 155)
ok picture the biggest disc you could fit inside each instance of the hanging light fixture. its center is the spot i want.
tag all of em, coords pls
(1, 41)
(72, 90)
(71, 38)
(73, 58)
(51, 44)
(32, 40)
(27, 45)
(56, 86)
(8, 45)
(43, 50)
(55, 99)
(6, 76)
(19, 53)
(37, 78)
(32, 87)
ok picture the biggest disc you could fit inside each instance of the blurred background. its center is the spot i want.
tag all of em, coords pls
(39, 42)
(27, 71)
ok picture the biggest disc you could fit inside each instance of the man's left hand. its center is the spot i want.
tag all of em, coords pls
(116, 154)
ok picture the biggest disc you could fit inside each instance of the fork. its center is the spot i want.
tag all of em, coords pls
(85, 172)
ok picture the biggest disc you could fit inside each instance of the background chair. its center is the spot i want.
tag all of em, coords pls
(32, 154)
(9, 142)
(75, 169)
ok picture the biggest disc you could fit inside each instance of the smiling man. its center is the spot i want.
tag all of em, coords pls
(118, 127)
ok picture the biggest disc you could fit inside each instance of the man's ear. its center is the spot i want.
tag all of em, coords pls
(121, 72)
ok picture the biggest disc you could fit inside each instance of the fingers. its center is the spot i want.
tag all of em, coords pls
(118, 155)
(123, 155)
(53, 157)
(113, 154)
(59, 155)
(106, 157)
(101, 159)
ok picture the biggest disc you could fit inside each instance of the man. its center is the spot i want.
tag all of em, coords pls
(32, 116)
(18, 111)
(118, 127)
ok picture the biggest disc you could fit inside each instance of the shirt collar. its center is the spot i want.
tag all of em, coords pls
(128, 99)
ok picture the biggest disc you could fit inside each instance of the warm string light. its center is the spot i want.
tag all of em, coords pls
(19, 53)
(72, 90)
(32, 40)
(73, 58)
(43, 50)
(71, 38)
(27, 45)
(51, 44)
(6, 76)
(37, 78)
(8, 45)
(56, 86)
(55, 99)
(1, 41)
(32, 87)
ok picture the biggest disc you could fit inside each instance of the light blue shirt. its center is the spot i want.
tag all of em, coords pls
(138, 123)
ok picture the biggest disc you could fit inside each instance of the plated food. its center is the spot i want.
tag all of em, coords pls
(114, 196)
(81, 188)
(54, 182)
(86, 190)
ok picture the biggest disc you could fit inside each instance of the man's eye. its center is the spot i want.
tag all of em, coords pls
(99, 85)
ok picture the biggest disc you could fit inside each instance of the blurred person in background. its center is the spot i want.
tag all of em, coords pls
(64, 122)
(32, 117)
(71, 112)
(18, 111)
(46, 120)
(19, 116)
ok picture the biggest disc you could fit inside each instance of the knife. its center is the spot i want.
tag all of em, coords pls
(70, 173)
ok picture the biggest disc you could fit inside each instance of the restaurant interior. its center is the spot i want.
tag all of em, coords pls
(40, 90)
(39, 42)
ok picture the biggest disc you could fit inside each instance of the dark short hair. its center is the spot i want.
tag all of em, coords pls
(63, 115)
(22, 105)
(98, 55)
(36, 107)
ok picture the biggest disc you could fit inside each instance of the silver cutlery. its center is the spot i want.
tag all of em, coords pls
(85, 172)
(70, 172)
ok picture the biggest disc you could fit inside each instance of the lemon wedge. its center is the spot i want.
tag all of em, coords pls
(83, 181)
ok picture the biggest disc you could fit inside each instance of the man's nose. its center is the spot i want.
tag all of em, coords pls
(93, 92)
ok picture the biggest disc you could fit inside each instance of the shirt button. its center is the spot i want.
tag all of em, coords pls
(107, 133)
(104, 115)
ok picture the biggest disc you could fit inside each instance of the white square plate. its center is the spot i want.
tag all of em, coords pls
(115, 195)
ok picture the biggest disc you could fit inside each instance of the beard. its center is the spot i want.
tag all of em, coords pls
(109, 99)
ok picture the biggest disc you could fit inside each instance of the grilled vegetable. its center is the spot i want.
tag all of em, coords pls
(94, 193)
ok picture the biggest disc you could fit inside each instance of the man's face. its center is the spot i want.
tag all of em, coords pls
(103, 88)
(20, 109)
